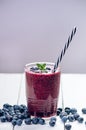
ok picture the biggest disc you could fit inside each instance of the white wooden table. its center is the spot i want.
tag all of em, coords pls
(73, 86)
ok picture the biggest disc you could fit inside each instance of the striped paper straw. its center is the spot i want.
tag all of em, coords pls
(64, 49)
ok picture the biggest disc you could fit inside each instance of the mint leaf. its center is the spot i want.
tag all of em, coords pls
(41, 66)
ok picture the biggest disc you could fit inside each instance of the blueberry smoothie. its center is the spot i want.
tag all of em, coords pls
(42, 89)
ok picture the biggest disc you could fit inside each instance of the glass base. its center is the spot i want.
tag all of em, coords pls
(45, 118)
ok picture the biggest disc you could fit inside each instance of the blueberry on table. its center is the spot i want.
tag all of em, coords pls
(71, 118)
(16, 107)
(5, 109)
(85, 122)
(64, 119)
(9, 118)
(14, 122)
(19, 122)
(76, 116)
(62, 114)
(84, 110)
(52, 121)
(80, 119)
(27, 121)
(73, 110)
(6, 105)
(20, 116)
(22, 109)
(60, 109)
(35, 120)
(53, 118)
(67, 110)
(11, 111)
(3, 118)
(15, 117)
(26, 114)
(58, 112)
(23, 106)
(68, 126)
(1, 113)
(41, 121)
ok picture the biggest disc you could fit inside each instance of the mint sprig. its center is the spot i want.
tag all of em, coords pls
(41, 67)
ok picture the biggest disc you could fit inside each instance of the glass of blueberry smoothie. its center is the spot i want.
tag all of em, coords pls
(42, 89)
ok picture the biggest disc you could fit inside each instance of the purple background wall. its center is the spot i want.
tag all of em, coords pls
(36, 30)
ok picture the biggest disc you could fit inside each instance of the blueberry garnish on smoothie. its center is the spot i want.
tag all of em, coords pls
(40, 68)
(34, 69)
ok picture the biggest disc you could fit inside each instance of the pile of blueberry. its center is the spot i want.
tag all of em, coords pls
(70, 115)
(14, 114)
(17, 114)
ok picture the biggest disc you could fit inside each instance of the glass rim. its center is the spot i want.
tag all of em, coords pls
(47, 63)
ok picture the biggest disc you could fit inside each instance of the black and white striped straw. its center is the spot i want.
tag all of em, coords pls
(65, 48)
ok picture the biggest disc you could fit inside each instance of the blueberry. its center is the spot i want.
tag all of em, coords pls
(1, 113)
(84, 110)
(5, 109)
(60, 109)
(27, 121)
(76, 116)
(14, 122)
(71, 118)
(16, 107)
(52, 123)
(64, 119)
(19, 122)
(34, 69)
(53, 118)
(12, 113)
(9, 118)
(41, 121)
(67, 110)
(80, 119)
(85, 122)
(17, 111)
(47, 68)
(22, 106)
(63, 114)
(58, 112)
(20, 116)
(35, 120)
(15, 117)
(68, 126)
(6, 105)
(26, 114)
(73, 110)
(3, 118)
(22, 109)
